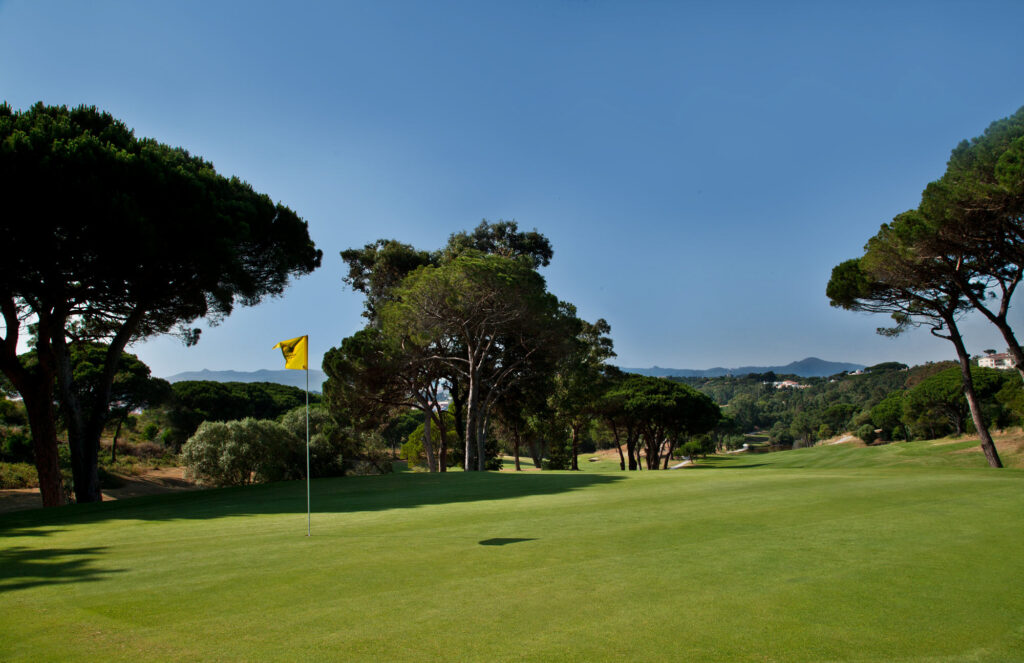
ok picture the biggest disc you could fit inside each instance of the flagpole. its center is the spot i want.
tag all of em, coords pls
(308, 510)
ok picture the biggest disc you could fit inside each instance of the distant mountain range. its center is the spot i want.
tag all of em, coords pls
(290, 378)
(808, 368)
(812, 367)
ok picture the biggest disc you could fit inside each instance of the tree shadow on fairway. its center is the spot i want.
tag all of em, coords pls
(502, 541)
(21, 567)
(335, 495)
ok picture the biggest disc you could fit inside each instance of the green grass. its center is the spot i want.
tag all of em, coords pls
(942, 453)
(794, 560)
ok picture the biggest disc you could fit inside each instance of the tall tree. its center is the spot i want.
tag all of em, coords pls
(112, 239)
(970, 223)
(502, 238)
(912, 299)
(372, 377)
(486, 317)
(578, 384)
(132, 388)
(377, 268)
(660, 412)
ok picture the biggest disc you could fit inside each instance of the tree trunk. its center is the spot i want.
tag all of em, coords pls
(481, 442)
(536, 448)
(41, 417)
(113, 442)
(83, 442)
(443, 452)
(987, 445)
(618, 447)
(631, 451)
(428, 441)
(471, 415)
(575, 466)
(36, 388)
(515, 446)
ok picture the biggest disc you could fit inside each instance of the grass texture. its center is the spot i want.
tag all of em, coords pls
(752, 558)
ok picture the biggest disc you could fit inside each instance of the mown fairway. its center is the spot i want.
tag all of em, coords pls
(719, 564)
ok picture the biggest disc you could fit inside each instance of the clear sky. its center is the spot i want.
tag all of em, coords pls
(698, 167)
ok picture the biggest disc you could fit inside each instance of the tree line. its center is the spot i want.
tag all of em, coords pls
(112, 239)
(469, 337)
(888, 402)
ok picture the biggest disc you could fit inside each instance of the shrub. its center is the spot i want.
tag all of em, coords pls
(237, 453)
(867, 433)
(12, 414)
(16, 447)
(329, 442)
(559, 455)
(150, 431)
(18, 475)
(413, 451)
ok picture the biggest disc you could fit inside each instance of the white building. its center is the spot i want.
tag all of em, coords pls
(1002, 361)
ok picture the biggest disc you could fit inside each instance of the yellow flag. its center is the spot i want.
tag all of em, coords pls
(296, 352)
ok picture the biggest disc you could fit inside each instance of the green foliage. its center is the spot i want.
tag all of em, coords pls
(196, 401)
(113, 238)
(888, 415)
(843, 403)
(559, 454)
(866, 433)
(502, 238)
(413, 451)
(237, 453)
(18, 475)
(887, 366)
(803, 428)
(329, 442)
(131, 388)
(15, 446)
(1011, 397)
(398, 429)
(780, 436)
(936, 406)
(12, 413)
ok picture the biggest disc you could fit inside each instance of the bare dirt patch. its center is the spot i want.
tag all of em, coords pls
(151, 482)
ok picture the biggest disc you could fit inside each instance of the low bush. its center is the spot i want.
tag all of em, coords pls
(18, 475)
(866, 433)
(237, 453)
(16, 446)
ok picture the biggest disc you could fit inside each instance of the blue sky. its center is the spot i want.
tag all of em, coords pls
(698, 167)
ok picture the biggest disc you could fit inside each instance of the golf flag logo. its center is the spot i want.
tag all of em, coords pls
(296, 352)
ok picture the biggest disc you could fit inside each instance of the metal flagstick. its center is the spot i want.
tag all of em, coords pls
(307, 439)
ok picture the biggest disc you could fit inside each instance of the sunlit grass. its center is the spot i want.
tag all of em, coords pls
(770, 563)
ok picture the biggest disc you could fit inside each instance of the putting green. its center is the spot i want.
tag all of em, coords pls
(727, 564)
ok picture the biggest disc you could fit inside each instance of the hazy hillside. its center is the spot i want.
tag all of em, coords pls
(291, 378)
(812, 367)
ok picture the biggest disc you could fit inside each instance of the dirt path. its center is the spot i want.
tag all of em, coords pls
(153, 482)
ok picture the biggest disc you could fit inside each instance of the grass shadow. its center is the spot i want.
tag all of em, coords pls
(502, 541)
(335, 495)
(21, 567)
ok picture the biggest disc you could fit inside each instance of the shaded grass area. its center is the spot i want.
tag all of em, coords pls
(780, 564)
